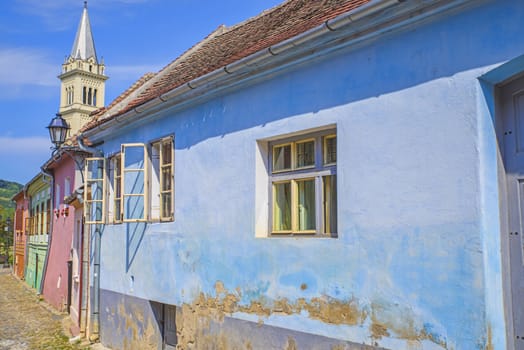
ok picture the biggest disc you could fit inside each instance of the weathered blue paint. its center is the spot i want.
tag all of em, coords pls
(418, 247)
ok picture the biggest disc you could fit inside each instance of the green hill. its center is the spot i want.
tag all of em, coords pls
(7, 190)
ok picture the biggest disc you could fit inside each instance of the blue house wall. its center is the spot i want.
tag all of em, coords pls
(416, 263)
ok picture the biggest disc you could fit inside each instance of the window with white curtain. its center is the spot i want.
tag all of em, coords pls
(303, 185)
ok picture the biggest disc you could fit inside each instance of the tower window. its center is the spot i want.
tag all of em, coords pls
(84, 95)
(89, 99)
(70, 92)
(94, 98)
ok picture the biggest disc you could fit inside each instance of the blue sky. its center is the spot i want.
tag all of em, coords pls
(132, 36)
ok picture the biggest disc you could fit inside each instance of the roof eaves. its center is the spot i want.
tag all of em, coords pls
(223, 49)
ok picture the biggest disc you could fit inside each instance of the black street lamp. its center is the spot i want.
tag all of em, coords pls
(58, 129)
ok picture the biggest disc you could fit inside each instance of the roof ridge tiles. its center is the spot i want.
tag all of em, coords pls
(226, 45)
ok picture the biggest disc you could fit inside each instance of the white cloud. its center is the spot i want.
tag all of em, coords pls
(25, 146)
(22, 66)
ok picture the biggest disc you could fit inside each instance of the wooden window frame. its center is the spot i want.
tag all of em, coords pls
(325, 150)
(115, 171)
(158, 147)
(88, 200)
(317, 172)
(114, 193)
(145, 194)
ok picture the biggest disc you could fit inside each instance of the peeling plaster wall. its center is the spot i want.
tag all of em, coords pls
(410, 267)
(129, 323)
(199, 328)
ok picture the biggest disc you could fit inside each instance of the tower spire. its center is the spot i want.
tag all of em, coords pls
(84, 45)
(82, 79)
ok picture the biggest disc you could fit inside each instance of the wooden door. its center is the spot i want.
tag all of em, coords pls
(170, 338)
(512, 106)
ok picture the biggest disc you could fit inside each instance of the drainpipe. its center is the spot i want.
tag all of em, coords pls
(26, 240)
(84, 282)
(95, 310)
(45, 173)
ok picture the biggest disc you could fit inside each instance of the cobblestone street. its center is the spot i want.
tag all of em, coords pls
(26, 322)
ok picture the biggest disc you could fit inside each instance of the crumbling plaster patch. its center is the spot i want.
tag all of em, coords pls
(380, 317)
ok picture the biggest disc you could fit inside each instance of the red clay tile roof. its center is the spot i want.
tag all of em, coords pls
(227, 45)
(116, 104)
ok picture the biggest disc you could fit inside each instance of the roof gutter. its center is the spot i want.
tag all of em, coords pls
(83, 147)
(247, 62)
(259, 59)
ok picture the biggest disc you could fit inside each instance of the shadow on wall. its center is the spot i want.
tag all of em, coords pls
(134, 236)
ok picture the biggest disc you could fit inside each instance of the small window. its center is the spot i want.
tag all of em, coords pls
(115, 189)
(162, 162)
(57, 196)
(67, 187)
(141, 185)
(94, 212)
(330, 150)
(304, 188)
(134, 180)
(282, 157)
(47, 222)
(305, 154)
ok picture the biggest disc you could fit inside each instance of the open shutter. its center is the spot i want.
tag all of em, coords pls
(134, 182)
(94, 212)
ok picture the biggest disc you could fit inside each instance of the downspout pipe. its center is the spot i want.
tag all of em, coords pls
(46, 173)
(26, 242)
(95, 310)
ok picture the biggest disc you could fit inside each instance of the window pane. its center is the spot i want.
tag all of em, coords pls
(166, 152)
(118, 210)
(305, 154)
(94, 210)
(117, 205)
(330, 151)
(118, 185)
(134, 208)
(282, 207)
(96, 190)
(166, 178)
(95, 168)
(134, 157)
(166, 205)
(281, 157)
(330, 204)
(306, 205)
(134, 182)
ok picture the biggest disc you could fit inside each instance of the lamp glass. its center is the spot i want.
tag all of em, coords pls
(58, 130)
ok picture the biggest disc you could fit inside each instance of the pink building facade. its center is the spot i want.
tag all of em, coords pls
(62, 287)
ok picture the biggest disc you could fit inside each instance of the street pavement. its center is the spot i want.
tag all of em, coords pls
(29, 323)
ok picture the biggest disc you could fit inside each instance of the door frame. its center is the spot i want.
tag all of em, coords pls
(499, 308)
